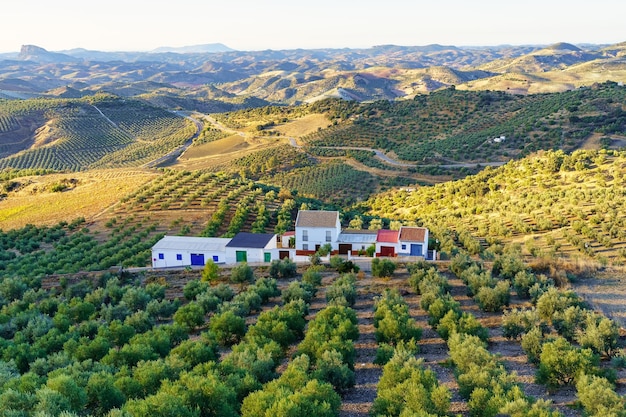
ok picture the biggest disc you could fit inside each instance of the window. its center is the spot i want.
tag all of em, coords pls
(403, 247)
(305, 247)
(305, 235)
(161, 256)
(216, 258)
(328, 236)
(179, 257)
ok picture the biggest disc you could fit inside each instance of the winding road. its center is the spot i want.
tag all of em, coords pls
(383, 157)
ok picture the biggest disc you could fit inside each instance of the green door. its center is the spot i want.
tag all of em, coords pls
(267, 257)
(241, 256)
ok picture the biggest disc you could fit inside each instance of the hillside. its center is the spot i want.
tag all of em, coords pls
(459, 126)
(552, 204)
(95, 132)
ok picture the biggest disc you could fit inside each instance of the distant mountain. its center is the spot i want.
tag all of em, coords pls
(38, 54)
(294, 76)
(209, 48)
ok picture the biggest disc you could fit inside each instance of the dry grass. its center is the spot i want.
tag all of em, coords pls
(94, 193)
(229, 144)
(304, 126)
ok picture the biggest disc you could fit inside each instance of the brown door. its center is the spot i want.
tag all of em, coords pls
(387, 251)
(282, 254)
(344, 248)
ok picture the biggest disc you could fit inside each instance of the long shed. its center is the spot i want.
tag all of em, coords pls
(172, 251)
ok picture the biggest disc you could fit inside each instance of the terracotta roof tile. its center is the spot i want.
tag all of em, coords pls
(388, 236)
(412, 234)
(317, 218)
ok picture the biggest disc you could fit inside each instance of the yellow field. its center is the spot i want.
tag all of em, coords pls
(94, 193)
(227, 145)
(304, 126)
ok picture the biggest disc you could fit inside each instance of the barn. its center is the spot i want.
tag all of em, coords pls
(173, 251)
(252, 248)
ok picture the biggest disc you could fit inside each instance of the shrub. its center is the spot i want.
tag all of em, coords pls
(465, 323)
(193, 288)
(392, 319)
(242, 274)
(343, 290)
(600, 334)
(227, 327)
(382, 267)
(312, 277)
(553, 301)
(210, 272)
(494, 299)
(190, 316)
(330, 368)
(517, 322)
(532, 343)
(266, 288)
(560, 363)
(285, 268)
(298, 291)
(407, 388)
(598, 397)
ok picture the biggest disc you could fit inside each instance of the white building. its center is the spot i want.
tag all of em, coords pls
(315, 228)
(252, 248)
(353, 241)
(172, 251)
(413, 241)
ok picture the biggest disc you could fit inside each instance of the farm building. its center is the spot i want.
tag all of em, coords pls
(387, 242)
(353, 241)
(413, 241)
(252, 247)
(315, 228)
(172, 251)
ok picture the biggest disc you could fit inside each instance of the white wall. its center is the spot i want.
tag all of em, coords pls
(316, 236)
(254, 255)
(169, 257)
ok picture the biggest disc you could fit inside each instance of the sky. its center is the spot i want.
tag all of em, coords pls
(142, 25)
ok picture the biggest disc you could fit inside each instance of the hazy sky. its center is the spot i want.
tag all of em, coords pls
(121, 25)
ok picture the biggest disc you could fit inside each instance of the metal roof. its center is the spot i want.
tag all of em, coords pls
(189, 243)
(357, 236)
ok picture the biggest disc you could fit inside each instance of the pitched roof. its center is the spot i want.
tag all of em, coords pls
(413, 234)
(317, 218)
(250, 240)
(190, 243)
(387, 236)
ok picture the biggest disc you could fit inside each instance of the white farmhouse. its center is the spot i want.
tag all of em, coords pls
(173, 251)
(315, 228)
(252, 248)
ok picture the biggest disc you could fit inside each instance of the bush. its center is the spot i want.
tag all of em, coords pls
(298, 291)
(532, 343)
(553, 301)
(266, 288)
(560, 363)
(465, 323)
(392, 319)
(598, 397)
(494, 299)
(242, 274)
(330, 368)
(343, 290)
(285, 268)
(382, 268)
(210, 272)
(517, 322)
(312, 277)
(227, 327)
(407, 388)
(193, 288)
(600, 334)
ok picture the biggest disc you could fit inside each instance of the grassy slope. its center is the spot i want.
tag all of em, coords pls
(553, 204)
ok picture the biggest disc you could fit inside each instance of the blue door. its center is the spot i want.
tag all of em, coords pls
(416, 249)
(197, 259)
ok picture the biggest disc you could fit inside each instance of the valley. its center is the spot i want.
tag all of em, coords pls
(512, 157)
